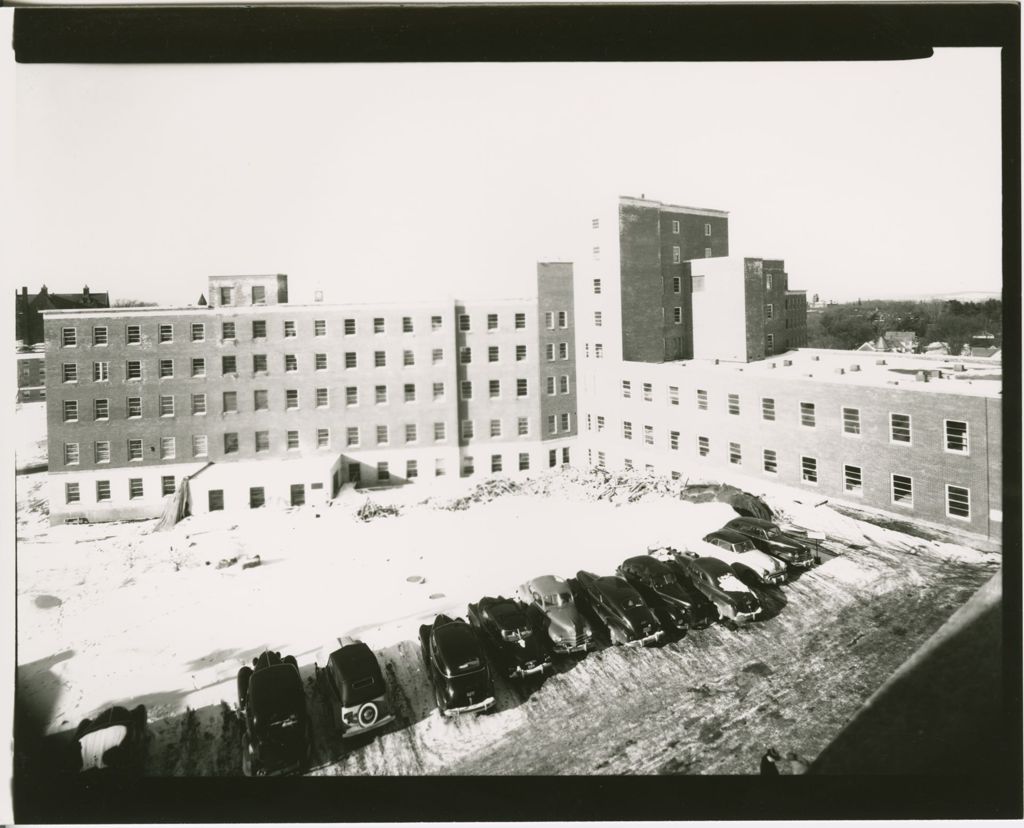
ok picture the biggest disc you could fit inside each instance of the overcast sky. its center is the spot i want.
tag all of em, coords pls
(384, 181)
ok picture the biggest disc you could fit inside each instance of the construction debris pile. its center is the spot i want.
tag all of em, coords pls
(484, 493)
(371, 511)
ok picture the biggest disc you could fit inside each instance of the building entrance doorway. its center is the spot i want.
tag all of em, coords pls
(298, 494)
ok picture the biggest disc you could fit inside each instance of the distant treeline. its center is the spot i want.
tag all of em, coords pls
(133, 303)
(851, 324)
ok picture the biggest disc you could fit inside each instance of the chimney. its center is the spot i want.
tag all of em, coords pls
(85, 293)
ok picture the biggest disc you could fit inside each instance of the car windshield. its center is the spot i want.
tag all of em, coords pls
(663, 580)
(771, 532)
(730, 583)
(743, 546)
(558, 599)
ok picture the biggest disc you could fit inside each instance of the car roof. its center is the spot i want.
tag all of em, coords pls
(355, 660)
(457, 645)
(547, 584)
(712, 566)
(275, 691)
(503, 610)
(730, 535)
(647, 564)
(615, 586)
(759, 523)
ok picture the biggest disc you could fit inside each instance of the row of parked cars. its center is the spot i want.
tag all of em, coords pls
(651, 598)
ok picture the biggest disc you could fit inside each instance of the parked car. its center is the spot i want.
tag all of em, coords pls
(719, 584)
(620, 608)
(355, 687)
(550, 600)
(770, 539)
(504, 624)
(115, 741)
(455, 660)
(272, 702)
(676, 603)
(739, 551)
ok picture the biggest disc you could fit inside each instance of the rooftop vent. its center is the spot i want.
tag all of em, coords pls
(959, 367)
(815, 358)
(854, 368)
(893, 382)
(840, 370)
(880, 362)
(771, 364)
(786, 363)
(921, 376)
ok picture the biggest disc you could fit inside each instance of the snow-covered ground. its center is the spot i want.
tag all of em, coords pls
(120, 613)
(30, 425)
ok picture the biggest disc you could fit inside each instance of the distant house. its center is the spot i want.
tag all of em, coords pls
(31, 376)
(867, 346)
(941, 348)
(900, 341)
(28, 323)
(975, 351)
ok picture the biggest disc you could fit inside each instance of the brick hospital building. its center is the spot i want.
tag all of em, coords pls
(656, 349)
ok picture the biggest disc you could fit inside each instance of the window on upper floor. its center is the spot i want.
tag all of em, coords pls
(956, 437)
(677, 255)
(289, 328)
(899, 428)
(492, 321)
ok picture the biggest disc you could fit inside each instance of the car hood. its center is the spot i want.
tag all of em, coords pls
(744, 601)
(673, 594)
(567, 621)
(640, 618)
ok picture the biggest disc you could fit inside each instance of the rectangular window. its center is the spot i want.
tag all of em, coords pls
(677, 316)
(677, 284)
(350, 359)
(133, 369)
(851, 421)
(564, 423)
(259, 364)
(133, 406)
(135, 449)
(352, 436)
(902, 490)
(648, 392)
(521, 388)
(734, 403)
(383, 472)
(103, 491)
(227, 331)
(852, 479)
(465, 355)
(436, 356)
(231, 443)
(200, 445)
(495, 428)
(435, 323)
(71, 454)
(600, 423)
(289, 328)
(411, 469)
(466, 390)
(673, 440)
(956, 437)
(409, 392)
(438, 391)
(809, 469)
(598, 350)
(291, 440)
(463, 321)
(257, 497)
(958, 502)
(259, 295)
(350, 327)
(627, 389)
(382, 435)
(320, 362)
(323, 438)
(215, 498)
(598, 319)
(770, 462)
(228, 365)
(600, 460)
(807, 417)
(291, 363)
(552, 424)
(549, 352)
(520, 321)
(323, 398)
(492, 353)
(101, 451)
(168, 448)
(675, 227)
(319, 327)
(133, 335)
(673, 395)
(291, 398)
(378, 324)
(702, 400)
(769, 311)
(627, 430)
(769, 344)
(99, 335)
(440, 431)
(101, 372)
(707, 229)
(70, 411)
(351, 395)
(492, 321)
(563, 384)
(199, 403)
(735, 454)
(165, 368)
(767, 281)
(101, 409)
(408, 358)
(676, 254)
(549, 383)
(467, 466)
(563, 319)
(524, 461)
(899, 428)
(768, 409)
(495, 462)
(380, 394)
(407, 324)
(134, 488)
(467, 429)
(597, 285)
(707, 253)
(410, 433)
(229, 402)
(198, 367)
(522, 426)
(627, 463)
(549, 320)
(259, 329)
(648, 435)
(166, 405)
(167, 484)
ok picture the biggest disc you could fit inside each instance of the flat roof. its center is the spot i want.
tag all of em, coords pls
(981, 377)
(679, 208)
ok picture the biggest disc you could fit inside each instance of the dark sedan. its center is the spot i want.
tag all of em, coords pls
(455, 661)
(771, 540)
(505, 625)
(678, 604)
(356, 688)
(620, 608)
(272, 702)
(718, 582)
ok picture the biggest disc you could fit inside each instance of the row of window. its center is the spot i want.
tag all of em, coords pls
(497, 462)
(677, 255)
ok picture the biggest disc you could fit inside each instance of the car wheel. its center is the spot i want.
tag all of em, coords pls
(617, 636)
(368, 714)
(243, 686)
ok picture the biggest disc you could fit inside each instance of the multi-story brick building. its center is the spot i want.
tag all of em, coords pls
(29, 308)
(140, 398)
